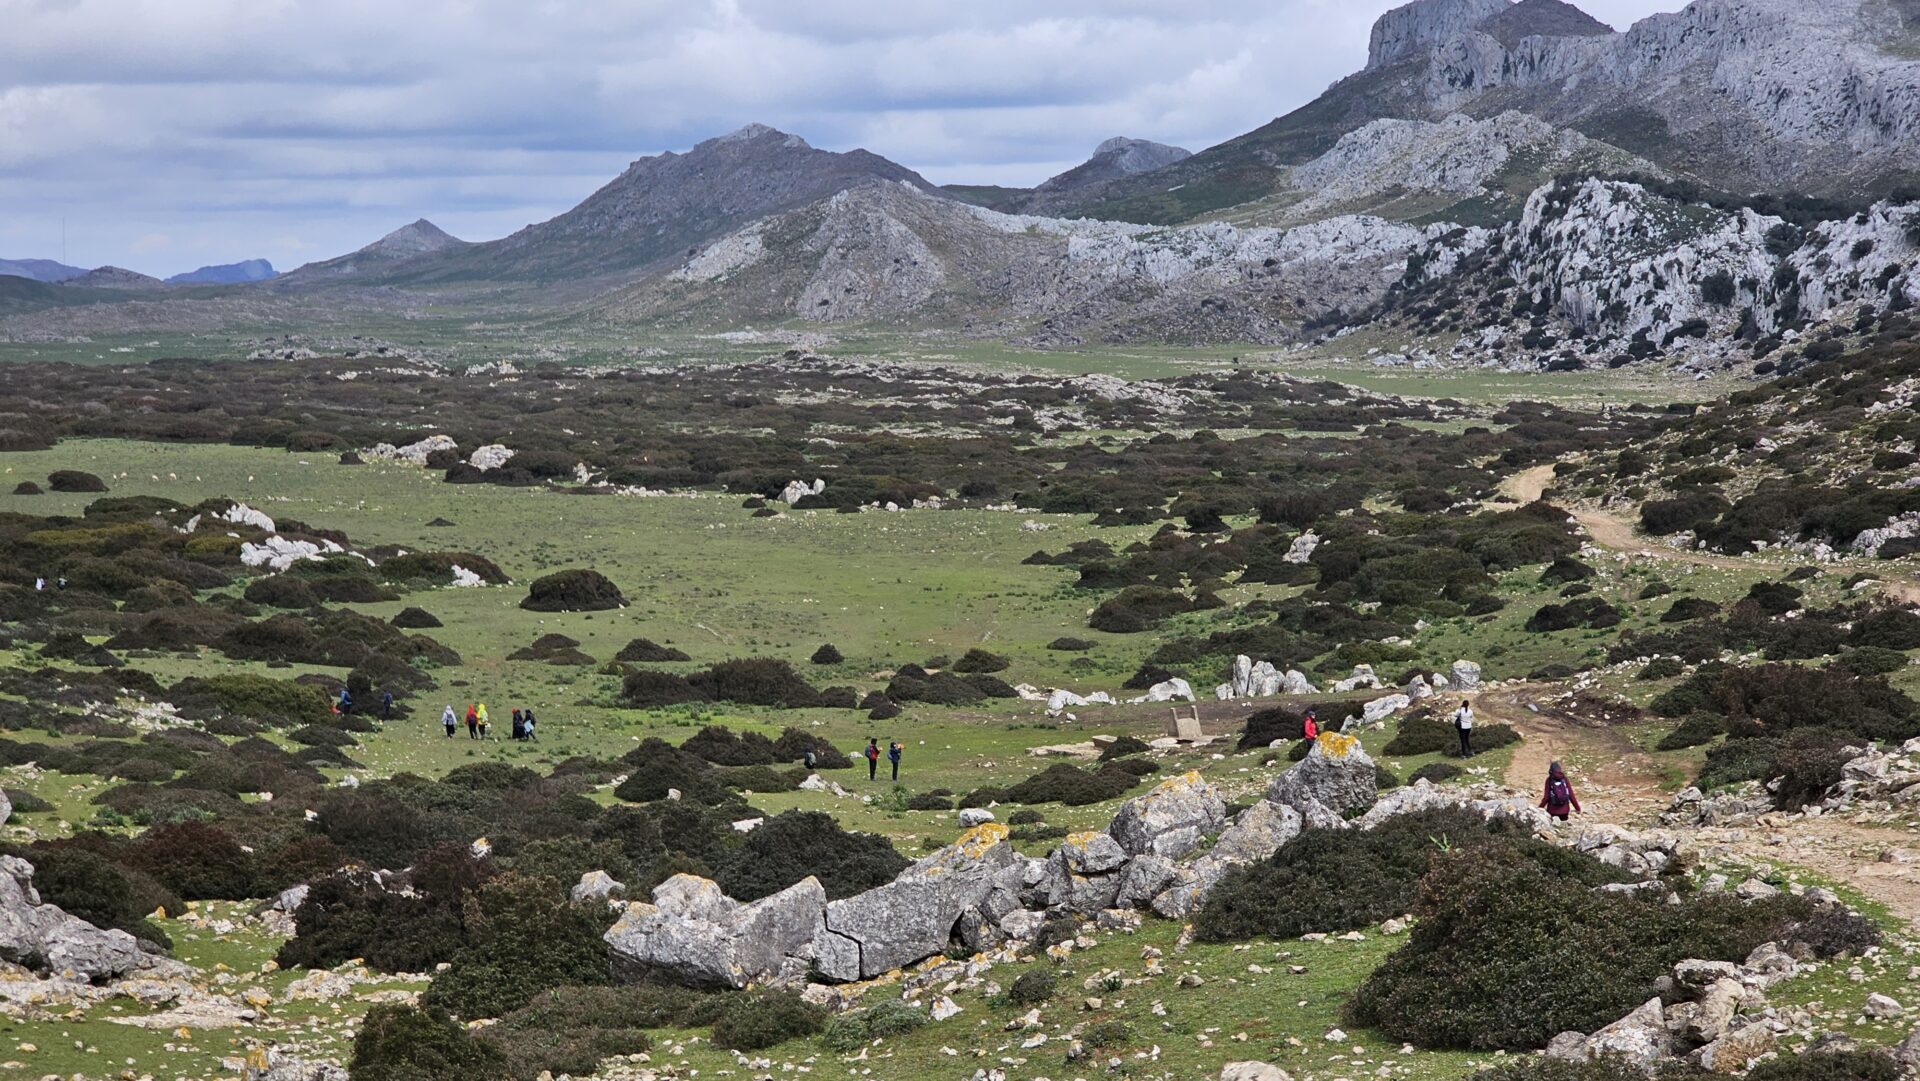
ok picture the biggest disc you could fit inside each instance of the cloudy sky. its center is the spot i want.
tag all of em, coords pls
(168, 134)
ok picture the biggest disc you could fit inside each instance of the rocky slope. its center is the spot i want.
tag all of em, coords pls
(1813, 97)
(113, 277)
(890, 254)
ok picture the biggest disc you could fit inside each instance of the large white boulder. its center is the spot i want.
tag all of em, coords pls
(1172, 820)
(694, 934)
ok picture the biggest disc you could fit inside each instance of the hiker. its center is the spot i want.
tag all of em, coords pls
(1310, 726)
(809, 759)
(473, 722)
(873, 759)
(39, 585)
(386, 705)
(894, 750)
(532, 736)
(480, 714)
(448, 718)
(345, 706)
(1559, 798)
(519, 730)
(1463, 724)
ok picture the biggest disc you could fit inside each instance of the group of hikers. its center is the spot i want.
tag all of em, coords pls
(479, 726)
(1558, 800)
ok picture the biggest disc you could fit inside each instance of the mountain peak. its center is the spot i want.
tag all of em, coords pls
(415, 238)
(1138, 155)
(251, 270)
(755, 133)
(1408, 31)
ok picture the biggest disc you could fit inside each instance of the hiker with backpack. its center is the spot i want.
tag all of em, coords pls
(873, 759)
(1463, 724)
(473, 721)
(527, 720)
(1559, 798)
(450, 719)
(894, 750)
(519, 730)
(345, 706)
(1309, 726)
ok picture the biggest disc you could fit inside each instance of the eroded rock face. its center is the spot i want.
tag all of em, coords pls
(913, 917)
(1171, 820)
(1337, 775)
(1639, 1039)
(1256, 834)
(693, 933)
(46, 939)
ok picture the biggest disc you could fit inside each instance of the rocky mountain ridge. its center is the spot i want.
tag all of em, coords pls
(40, 270)
(252, 270)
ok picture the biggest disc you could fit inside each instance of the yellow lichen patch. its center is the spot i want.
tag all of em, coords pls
(1186, 780)
(978, 840)
(1083, 839)
(1335, 745)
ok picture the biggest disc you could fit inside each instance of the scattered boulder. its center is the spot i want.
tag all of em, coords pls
(1253, 1071)
(597, 887)
(1256, 834)
(1737, 1050)
(1337, 776)
(913, 917)
(1639, 1039)
(1466, 675)
(693, 933)
(971, 817)
(46, 939)
(1172, 820)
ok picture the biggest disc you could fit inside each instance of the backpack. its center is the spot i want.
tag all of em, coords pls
(1559, 793)
(873, 753)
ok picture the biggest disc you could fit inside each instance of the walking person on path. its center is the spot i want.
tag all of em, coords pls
(527, 720)
(450, 719)
(1310, 726)
(519, 729)
(894, 751)
(1463, 724)
(481, 715)
(473, 721)
(1559, 798)
(873, 759)
(345, 706)
(386, 705)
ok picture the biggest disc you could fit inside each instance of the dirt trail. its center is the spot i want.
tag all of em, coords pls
(1618, 533)
(1620, 783)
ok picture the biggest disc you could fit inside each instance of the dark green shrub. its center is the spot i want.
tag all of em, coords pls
(1553, 1069)
(1698, 729)
(101, 889)
(1430, 735)
(436, 568)
(1070, 645)
(522, 937)
(1775, 598)
(1872, 661)
(73, 480)
(644, 689)
(790, 846)
(758, 681)
(1072, 786)
(1032, 988)
(282, 592)
(1435, 773)
(929, 802)
(1136, 609)
(1687, 609)
(409, 1043)
(198, 861)
(794, 743)
(416, 619)
(1122, 747)
(647, 651)
(1808, 763)
(850, 1032)
(1857, 1065)
(1687, 513)
(1663, 668)
(759, 1020)
(1889, 628)
(1565, 570)
(723, 747)
(1589, 612)
(572, 1030)
(1335, 880)
(827, 654)
(980, 661)
(1833, 931)
(1507, 953)
(573, 591)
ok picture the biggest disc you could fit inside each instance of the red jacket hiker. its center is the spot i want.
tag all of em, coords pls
(1310, 728)
(1559, 797)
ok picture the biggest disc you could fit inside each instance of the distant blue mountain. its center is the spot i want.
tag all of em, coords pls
(40, 270)
(253, 270)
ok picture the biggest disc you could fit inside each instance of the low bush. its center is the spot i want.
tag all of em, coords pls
(572, 1030)
(647, 651)
(1137, 608)
(1872, 661)
(1507, 953)
(521, 937)
(1070, 645)
(1122, 747)
(1032, 988)
(1426, 734)
(416, 619)
(826, 654)
(1687, 609)
(73, 480)
(1333, 880)
(1435, 773)
(1889, 628)
(758, 681)
(1697, 730)
(980, 661)
(1072, 785)
(644, 689)
(790, 846)
(1590, 613)
(850, 1032)
(281, 592)
(1663, 668)
(410, 1043)
(759, 1020)
(573, 591)
(1863, 1064)
(100, 888)
(200, 862)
